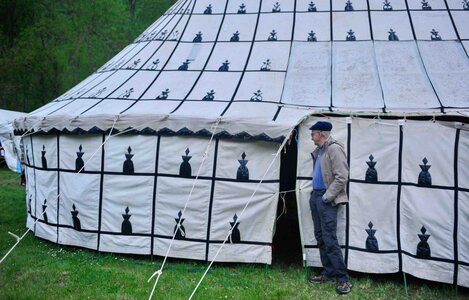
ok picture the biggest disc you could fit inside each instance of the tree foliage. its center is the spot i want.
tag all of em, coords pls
(47, 47)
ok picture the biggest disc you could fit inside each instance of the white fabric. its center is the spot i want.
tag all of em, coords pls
(10, 143)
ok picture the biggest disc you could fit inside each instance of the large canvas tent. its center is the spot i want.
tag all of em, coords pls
(195, 109)
(10, 143)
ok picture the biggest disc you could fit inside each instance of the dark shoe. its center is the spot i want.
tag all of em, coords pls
(344, 288)
(320, 279)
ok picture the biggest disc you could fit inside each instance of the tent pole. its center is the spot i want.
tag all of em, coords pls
(405, 285)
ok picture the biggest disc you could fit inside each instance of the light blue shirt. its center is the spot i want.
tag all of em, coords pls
(318, 183)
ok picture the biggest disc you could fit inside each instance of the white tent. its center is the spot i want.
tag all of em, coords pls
(10, 143)
(232, 81)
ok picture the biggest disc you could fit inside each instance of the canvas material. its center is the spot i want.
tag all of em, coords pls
(415, 227)
(128, 196)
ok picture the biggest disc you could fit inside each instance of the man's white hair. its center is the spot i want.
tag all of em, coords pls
(326, 134)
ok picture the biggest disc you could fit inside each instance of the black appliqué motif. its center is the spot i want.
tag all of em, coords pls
(465, 4)
(371, 173)
(273, 36)
(350, 36)
(423, 248)
(371, 241)
(127, 93)
(126, 227)
(387, 5)
(98, 93)
(257, 97)
(208, 10)
(235, 235)
(266, 65)
(235, 37)
(348, 6)
(185, 65)
(243, 171)
(79, 163)
(276, 7)
(179, 228)
(134, 64)
(312, 7)
(174, 36)
(198, 37)
(225, 66)
(425, 179)
(44, 214)
(185, 169)
(210, 96)
(154, 64)
(242, 9)
(392, 35)
(435, 36)
(163, 95)
(76, 220)
(425, 5)
(43, 158)
(312, 36)
(128, 167)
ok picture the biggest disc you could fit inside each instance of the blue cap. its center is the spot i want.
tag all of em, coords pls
(321, 126)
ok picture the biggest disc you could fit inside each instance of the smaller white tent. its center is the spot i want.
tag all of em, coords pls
(9, 142)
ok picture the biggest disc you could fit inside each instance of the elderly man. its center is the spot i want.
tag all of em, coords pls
(330, 175)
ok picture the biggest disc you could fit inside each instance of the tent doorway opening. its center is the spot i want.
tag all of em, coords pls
(286, 241)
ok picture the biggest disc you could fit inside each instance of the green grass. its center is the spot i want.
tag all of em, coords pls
(38, 269)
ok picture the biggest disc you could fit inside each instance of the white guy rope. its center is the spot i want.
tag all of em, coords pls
(160, 271)
(19, 239)
(242, 212)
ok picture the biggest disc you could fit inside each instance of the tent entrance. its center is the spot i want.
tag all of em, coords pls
(286, 241)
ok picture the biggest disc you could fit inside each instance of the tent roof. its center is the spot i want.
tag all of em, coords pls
(269, 63)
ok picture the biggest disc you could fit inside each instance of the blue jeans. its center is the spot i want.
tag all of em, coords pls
(325, 231)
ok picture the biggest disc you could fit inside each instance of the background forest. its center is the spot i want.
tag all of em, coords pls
(47, 46)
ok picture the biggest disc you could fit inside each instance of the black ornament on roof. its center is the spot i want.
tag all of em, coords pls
(44, 214)
(76, 220)
(127, 93)
(435, 36)
(134, 64)
(243, 171)
(465, 4)
(43, 158)
(312, 36)
(242, 9)
(273, 36)
(423, 248)
(225, 66)
(276, 7)
(425, 179)
(235, 235)
(387, 5)
(128, 167)
(371, 173)
(174, 36)
(198, 37)
(235, 37)
(208, 10)
(154, 64)
(185, 169)
(312, 7)
(162, 35)
(257, 96)
(266, 65)
(79, 163)
(126, 227)
(425, 5)
(98, 93)
(179, 228)
(164, 95)
(351, 36)
(210, 96)
(185, 65)
(392, 35)
(371, 241)
(348, 6)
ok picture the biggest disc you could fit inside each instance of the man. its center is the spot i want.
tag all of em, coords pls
(330, 175)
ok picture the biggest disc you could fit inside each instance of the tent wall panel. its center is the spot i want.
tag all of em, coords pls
(417, 215)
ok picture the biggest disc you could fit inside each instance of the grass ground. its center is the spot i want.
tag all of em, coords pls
(38, 269)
